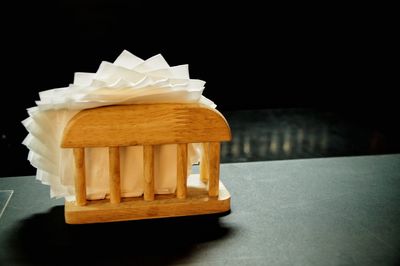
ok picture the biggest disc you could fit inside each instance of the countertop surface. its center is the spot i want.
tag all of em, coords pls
(329, 211)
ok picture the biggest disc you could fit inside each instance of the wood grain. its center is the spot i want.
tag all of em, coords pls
(213, 181)
(80, 176)
(181, 171)
(148, 170)
(115, 177)
(145, 124)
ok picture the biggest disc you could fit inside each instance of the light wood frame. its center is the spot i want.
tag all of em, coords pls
(149, 125)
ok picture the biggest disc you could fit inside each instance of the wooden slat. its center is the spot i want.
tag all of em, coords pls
(80, 178)
(205, 162)
(145, 124)
(114, 172)
(148, 170)
(214, 169)
(181, 188)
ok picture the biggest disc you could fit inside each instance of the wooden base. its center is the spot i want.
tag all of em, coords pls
(197, 202)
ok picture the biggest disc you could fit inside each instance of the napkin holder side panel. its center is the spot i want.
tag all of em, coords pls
(148, 125)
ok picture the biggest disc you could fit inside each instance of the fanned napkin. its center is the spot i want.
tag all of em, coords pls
(129, 80)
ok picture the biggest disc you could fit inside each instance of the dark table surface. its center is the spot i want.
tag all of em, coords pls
(331, 211)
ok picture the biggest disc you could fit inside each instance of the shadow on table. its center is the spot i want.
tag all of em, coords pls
(46, 239)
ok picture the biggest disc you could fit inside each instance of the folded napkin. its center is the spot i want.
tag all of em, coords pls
(129, 80)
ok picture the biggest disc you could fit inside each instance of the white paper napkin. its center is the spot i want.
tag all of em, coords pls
(129, 80)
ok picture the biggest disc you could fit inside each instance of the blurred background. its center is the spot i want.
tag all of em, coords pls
(293, 80)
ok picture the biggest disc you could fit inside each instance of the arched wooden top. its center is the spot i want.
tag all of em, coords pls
(145, 124)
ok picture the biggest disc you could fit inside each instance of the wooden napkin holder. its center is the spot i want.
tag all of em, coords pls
(148, 125)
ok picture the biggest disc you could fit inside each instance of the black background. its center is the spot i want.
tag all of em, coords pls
(251, 55)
